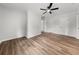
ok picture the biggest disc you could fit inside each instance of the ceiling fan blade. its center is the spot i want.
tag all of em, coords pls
(44, 12)
(55, 9)
(50, 12)
(42, 9)
(50, 6)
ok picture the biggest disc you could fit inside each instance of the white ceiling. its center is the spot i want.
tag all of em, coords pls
(63, 7)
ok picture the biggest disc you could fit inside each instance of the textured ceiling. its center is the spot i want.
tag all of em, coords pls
(63, 7)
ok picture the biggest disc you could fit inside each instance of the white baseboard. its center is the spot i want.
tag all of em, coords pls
(64, 34)
(30, 36)
(10, 38)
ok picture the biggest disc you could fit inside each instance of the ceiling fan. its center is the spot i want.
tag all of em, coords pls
(49, 9)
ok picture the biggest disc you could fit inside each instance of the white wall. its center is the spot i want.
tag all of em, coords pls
(64, 24)
(72, 25)
(33, 24)
(11, 23)
(15, 23)
(77, 25)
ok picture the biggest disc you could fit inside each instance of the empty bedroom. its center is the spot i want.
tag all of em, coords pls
(39, 28)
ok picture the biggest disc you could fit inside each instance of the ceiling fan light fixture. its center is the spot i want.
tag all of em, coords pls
(48, 10)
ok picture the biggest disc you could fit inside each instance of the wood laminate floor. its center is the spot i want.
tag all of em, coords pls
(44, 44)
